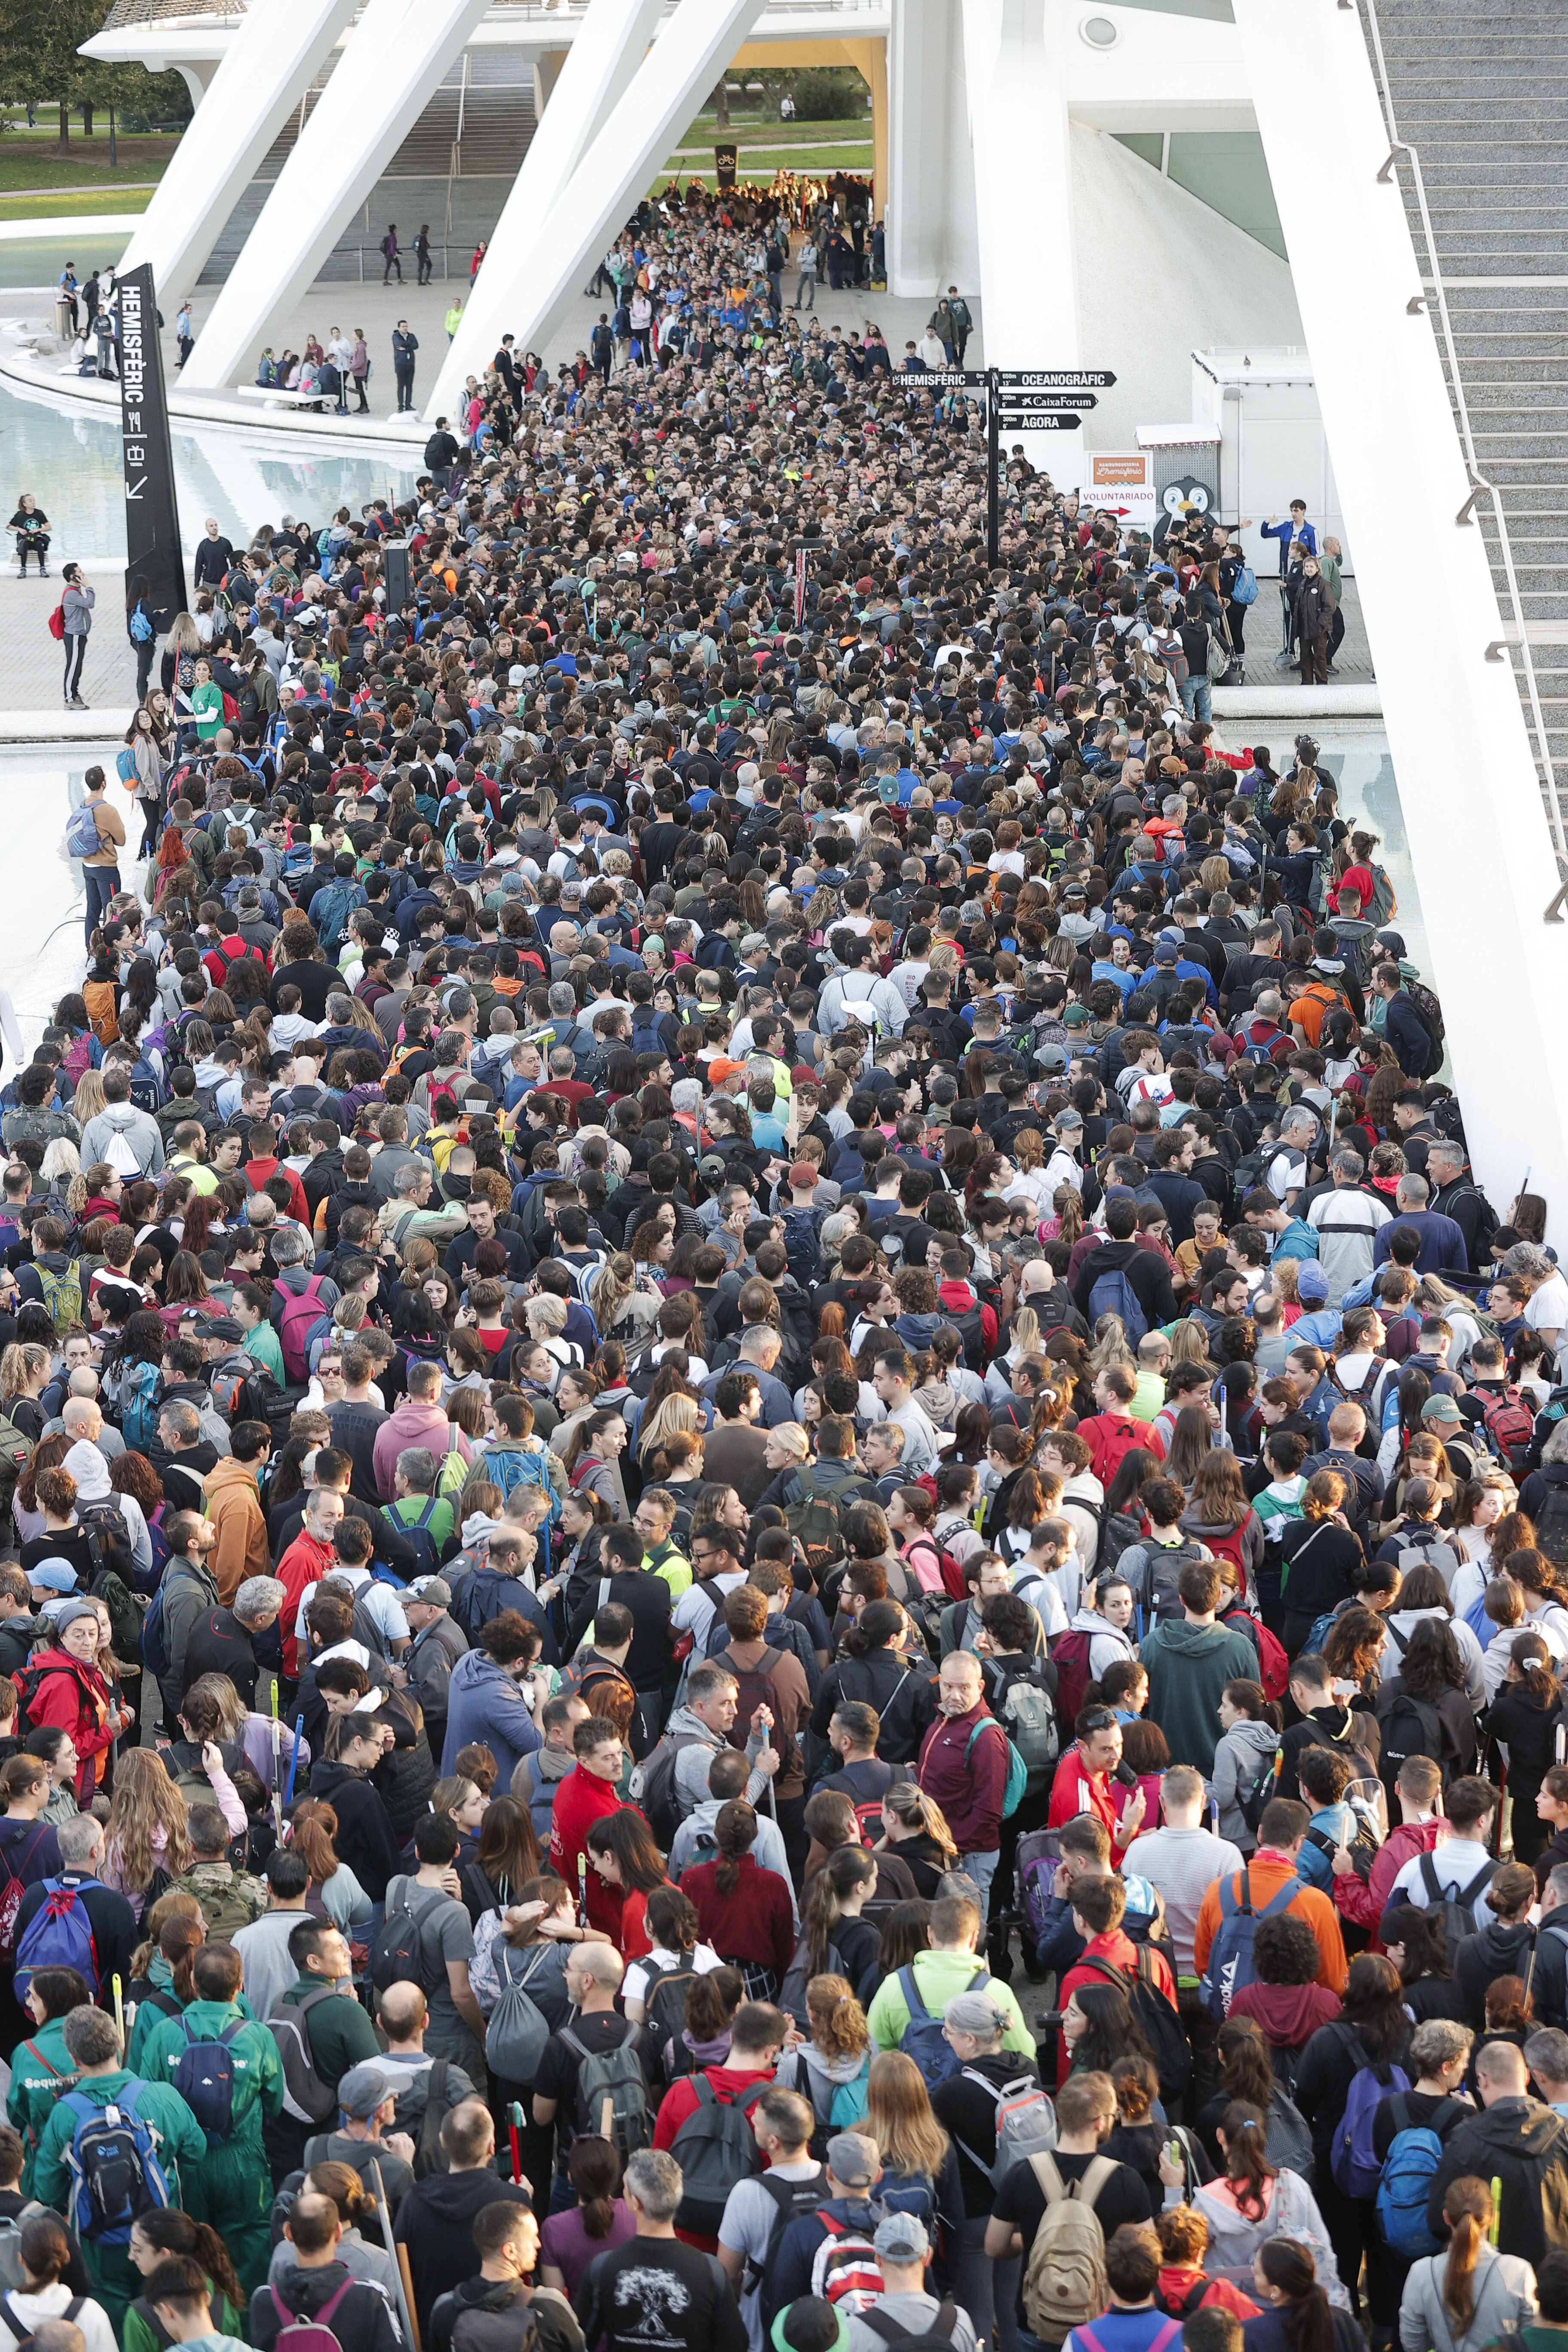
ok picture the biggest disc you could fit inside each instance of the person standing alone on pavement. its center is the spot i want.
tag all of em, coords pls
(389, 254)
(76, 605)
(404, 345)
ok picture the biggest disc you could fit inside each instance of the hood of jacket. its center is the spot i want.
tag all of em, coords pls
(478, 1529)
(842, 2069)
(1258, 1740)
(455, 2198)
(683, 1722)
(1501, 1950)
(329, 1779)
(918, 1331)
(1521, 2128)
(304, 2292)
(1188, 1640)
(555, 1763)
(1289, 2014)
(1339, 1722)
(91, 1471)
(227, 1474)
(413, 1419)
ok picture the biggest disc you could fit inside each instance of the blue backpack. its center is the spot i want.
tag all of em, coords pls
(922, 2037)
(1354, 2160)
(1414, 2155)
(417, 1531)
(1017, 1770)
(140, 627)
(1112, 1294)
(58, 1935)
(204, 2077)
(1230, 1963)
(509, 1469)
(116, 2177)
(125, 765)
(1245, 588)
(139, 1406)
(338, 901)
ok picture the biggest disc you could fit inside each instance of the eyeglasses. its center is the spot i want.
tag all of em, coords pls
(1099, 1718)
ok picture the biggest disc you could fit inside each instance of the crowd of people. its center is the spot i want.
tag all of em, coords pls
(788, 1540)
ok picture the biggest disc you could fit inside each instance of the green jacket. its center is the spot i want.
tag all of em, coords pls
(939, 1978)
(40, 2069)
(258, 2069)
(1188, 1667)
(338, 2032)
(181, 2143)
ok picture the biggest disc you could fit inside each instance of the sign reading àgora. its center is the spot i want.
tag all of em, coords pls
(152, 551)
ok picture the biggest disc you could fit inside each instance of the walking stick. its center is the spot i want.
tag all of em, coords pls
(403, 2280)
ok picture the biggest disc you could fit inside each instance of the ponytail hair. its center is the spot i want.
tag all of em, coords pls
(171, 2231)
(849, 1867)
(594, 2168)
(878, 1623)
(910, 1805)
(1246, 2163)
(1529, 1653)
(1467, 2209)
(734, 1834)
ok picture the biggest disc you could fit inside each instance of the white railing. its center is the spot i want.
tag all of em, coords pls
(1480, 485)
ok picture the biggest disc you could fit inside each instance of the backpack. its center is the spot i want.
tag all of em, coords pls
(1070, 1654)
(16, 1452)
(1161, 2023)
(813, 1524)
(1064, 2276)
(922, 2039)
(1551, 1524)
(305, 2097)
(843, 2269)
(1352, 2160)
(304, 1320)
(1260, 1792)
(417, 1532)
(1289, 2144)
(398, 1955)
(791, 2199)
(756, 1688)
(1414, 2155)
(204, 2077)
(714, 2148)
(313, 2335)
(939, 2337)
(337, 904)
(1026, 2123)
(1510, 1425)
(1411, 1726)
(116, 2177)
(612, 2092)
(1112, 1294)
(58, 1935)
(139, 1405)
(1017, 1770)
(154, 1650)
(517, 2032)
(652, 1785)
(82, 837)
(1230, 1963)
(11, 1894)
(57, 624)
(792, 1992)
(1245, 591)
(1429, 1013)
(1029, 1719)
(663, 2013)
(429, 2155)
(62, 1292)
(1458, 1918)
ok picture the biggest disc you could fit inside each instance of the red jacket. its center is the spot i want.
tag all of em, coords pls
(1110, 1436)
(255, 1173)
(729, 2083)
(1365, 1900)
(76, 1697)
(305, 1562)
(580, 1799)
(968, 1782)
(753, 1922)
(1073, 1777)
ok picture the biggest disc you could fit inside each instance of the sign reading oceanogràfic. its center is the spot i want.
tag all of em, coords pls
(152, 551)
(1055, 379)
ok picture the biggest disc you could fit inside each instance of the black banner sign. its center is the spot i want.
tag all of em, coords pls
(725, 160)
(152, 550)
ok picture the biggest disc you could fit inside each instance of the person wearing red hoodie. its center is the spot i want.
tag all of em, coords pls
(1420, 1788)
(1091, 1779)
(261, 1161)
(1285, 1999)
(956, 1296)
(1099, 1907)
(964, 1771)
(1112, 1431)
(757, 2037)
(585, 1796)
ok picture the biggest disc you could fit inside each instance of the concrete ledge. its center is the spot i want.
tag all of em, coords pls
(88, 225)
(1287, 703)
(33, 374)
(62, 725)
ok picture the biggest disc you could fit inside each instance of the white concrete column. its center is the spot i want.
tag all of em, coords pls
(619, 161)
(277, 52)
(932, 227)
(1478, 830)
(611, 43)
(396, 54)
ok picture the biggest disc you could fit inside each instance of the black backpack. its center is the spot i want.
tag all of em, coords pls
(939, 2337)
(792, 2199)
(714, 2148)
(1458, 1916)
(1410, 1727)
(1162, 2026)
(398, 1955)
(664, 2014)
(1552, 1526)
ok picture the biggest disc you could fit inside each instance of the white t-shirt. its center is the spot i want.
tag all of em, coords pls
(640, 1976)
(1456, 1862)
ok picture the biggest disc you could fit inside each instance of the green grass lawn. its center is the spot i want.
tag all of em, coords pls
(114, 197)
(24, 168)
(819, 148)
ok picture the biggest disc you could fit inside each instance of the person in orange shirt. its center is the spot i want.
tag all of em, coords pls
(1281, 1832)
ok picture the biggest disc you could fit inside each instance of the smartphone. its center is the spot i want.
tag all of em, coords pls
(1175, 2152)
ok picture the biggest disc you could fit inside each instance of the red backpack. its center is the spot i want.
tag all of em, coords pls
(947, 1568)
(1070, 1655)
(1273, 1667)
(757, 1688)
(303, 1313)
(1510, 1424)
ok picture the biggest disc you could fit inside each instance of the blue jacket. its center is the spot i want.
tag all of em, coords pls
(1283, 532)
(1407, 1034)
(483, 1703)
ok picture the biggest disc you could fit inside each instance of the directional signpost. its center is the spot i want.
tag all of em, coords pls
(1037, 400)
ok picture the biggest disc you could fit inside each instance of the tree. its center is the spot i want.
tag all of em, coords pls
(39, 40)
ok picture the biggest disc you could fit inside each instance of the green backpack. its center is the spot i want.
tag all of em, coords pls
(62, 1295)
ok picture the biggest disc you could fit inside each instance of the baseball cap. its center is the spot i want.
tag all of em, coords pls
(1311, 1282)
(1166, 951)
(1441, 1408)
(217, 1327)
(433, 1589)
(1076, 1016)
(804, 1174)
(853, 2158)
(53, 1575)
(712, 1164)
(901, 2238)
(363, 2089)
(717, 1071)
(1049, 1058)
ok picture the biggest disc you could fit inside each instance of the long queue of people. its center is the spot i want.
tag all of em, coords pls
(742, 1314)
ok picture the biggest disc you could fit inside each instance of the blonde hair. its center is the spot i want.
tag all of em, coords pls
(22, 1363)
(898, 2115)
(231, 1707)
(674, 1417)
(916, 1811)
(839, 2026)
(1111, 1346)
(145, 1800)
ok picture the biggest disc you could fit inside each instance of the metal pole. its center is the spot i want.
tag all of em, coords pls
(992, 516)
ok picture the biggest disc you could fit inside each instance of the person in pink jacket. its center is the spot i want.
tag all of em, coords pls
(418, 1419)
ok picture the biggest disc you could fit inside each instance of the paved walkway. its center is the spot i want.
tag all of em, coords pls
(34, 662)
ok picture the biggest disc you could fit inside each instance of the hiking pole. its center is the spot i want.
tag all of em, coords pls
(403, 2276)
(514, 2117)
(277, 1768)
(294, 1759)
(119, 2013)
